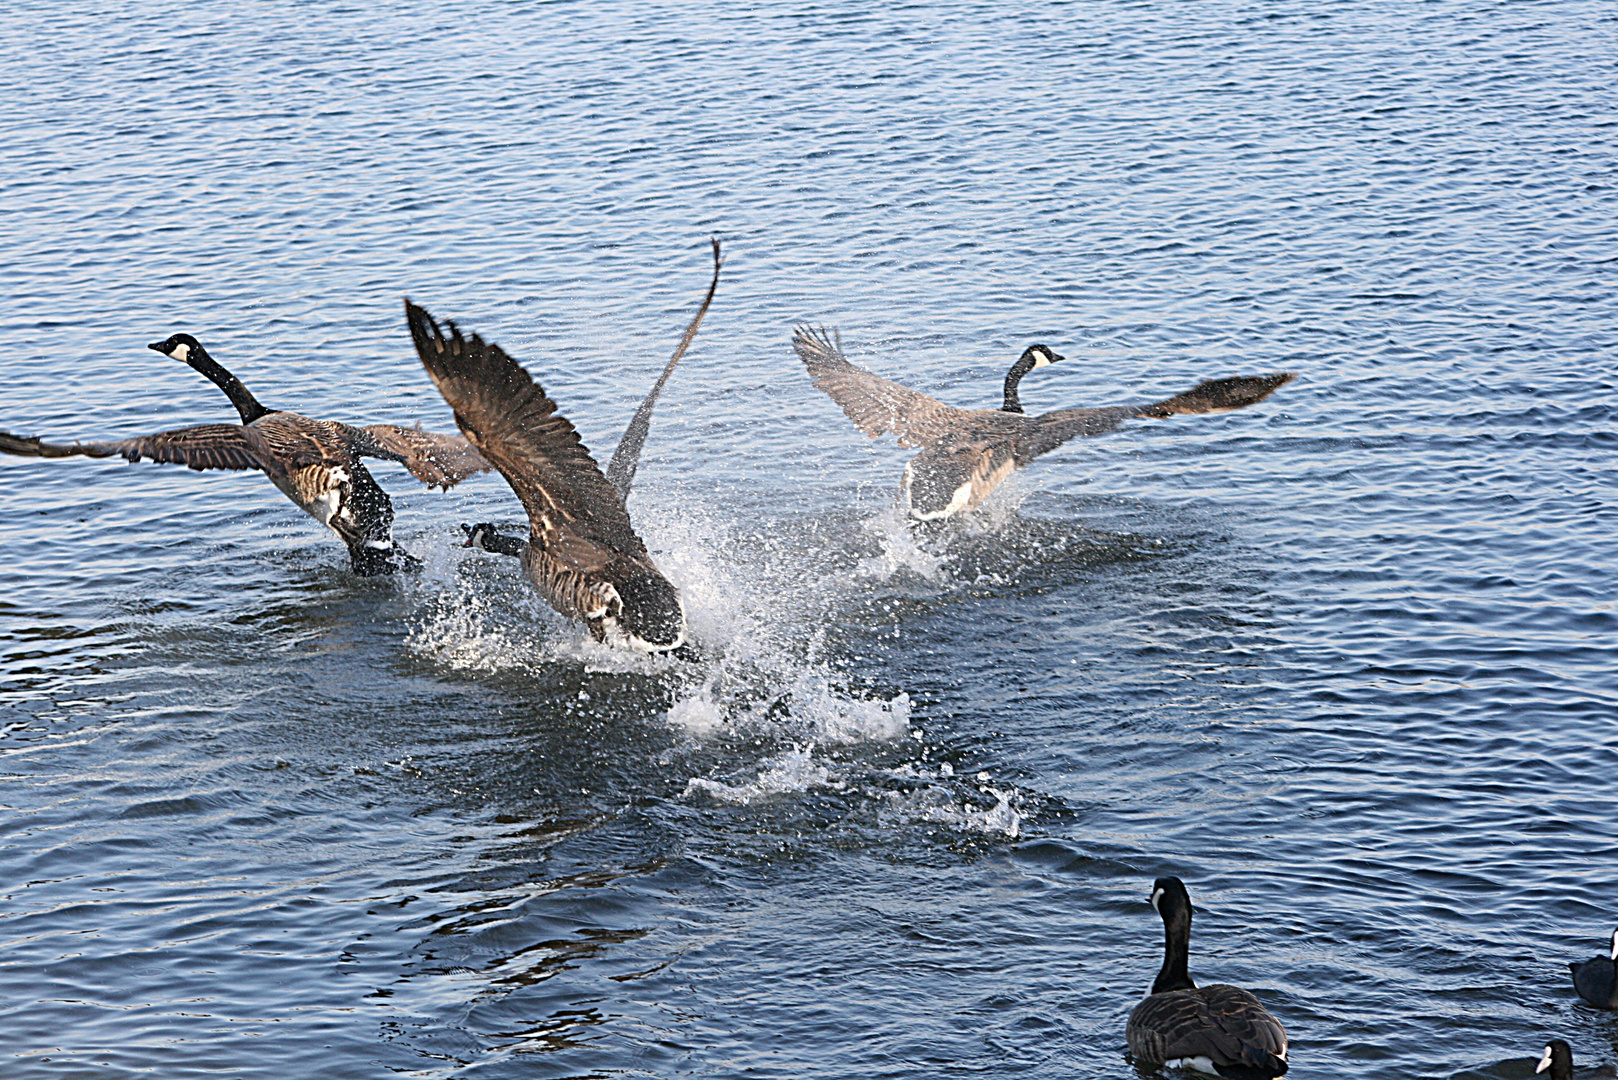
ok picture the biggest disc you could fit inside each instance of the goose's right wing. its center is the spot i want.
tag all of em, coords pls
(1047, 432)
(509, 418)
(207, 446)
(436, 460)
(877, 406)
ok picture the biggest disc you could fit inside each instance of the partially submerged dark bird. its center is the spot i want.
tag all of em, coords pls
(315, 463)
(582, 552)
(1596, 979)
(1218, 1029)
(1558, 1058)
(967, 453)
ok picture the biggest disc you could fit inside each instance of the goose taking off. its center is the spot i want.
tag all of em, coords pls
(1596, 979)
(315, 463)
(1217, 1029)
(582, 552)
(967, 453)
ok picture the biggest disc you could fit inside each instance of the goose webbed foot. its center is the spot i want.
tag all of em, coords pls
(369, 562)
(375, 558)
(687, 653)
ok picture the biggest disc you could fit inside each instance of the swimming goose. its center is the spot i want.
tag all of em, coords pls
(1596, 979)
(315, 463)
(582, 552)
(1217, 1029)
(967, 453)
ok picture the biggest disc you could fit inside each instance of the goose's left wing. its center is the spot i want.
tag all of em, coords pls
(515, 425)
(1051, 430)
(436, 460)
(626, 458)
(877, 406)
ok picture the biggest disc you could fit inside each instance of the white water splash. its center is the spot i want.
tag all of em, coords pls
(900, 552)
(944, 806)
(791, 772)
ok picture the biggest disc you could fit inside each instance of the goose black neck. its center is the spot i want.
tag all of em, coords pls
(1175, 973)
(245, 402)
(1022, 367)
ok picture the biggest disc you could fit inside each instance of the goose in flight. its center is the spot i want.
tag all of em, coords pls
(315, 463)
(1218, 1029)
(582, 552)
(967, 453)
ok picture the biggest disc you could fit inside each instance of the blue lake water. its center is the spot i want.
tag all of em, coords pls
(1344, 661)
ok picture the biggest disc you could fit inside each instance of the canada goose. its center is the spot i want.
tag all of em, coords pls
(582, 552)
(1558, 1059)
(967, 453)
(315, 463)
(1217, 1029)
(1596, 979)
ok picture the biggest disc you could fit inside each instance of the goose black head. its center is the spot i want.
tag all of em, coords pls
(1171, 901)
(478, 536)
(1558, 1059)
(1033, 357)
(1038, 356)
(177, 347)
(650, 612)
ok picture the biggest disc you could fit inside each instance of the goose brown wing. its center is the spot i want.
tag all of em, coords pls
(1225, 1024)
(206, 446)
(877, 406)
(1051, 430)
(436, 460)
(511, 421)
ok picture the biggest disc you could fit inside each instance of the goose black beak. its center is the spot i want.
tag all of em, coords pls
(157, 346)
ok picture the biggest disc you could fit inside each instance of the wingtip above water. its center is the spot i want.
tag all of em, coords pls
(1222, 395)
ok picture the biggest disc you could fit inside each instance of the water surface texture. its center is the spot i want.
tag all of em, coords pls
(1343, 661)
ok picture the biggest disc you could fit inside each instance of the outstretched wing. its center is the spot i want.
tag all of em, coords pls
(436, 460)
(626, 458)
(1053, 429)
(509, 418)
(877, 406)
(207, 446)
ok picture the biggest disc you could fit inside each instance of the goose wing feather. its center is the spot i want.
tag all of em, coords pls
(1225, 1024)
(206, 446)
(1053, 429)
(434, 459)
(877, 406)
(515, 425)
(626, 458)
